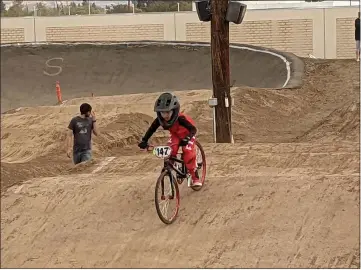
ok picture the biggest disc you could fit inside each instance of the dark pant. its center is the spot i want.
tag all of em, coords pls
(82, 156)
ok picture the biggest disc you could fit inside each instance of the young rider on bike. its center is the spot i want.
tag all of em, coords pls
(182, 131)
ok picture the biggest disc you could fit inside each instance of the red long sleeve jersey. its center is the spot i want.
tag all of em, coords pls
(184, 126)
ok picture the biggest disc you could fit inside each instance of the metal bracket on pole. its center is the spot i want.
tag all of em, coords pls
(226, 102)
(213, 102)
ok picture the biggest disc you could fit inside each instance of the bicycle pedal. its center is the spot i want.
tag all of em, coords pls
(170, 197)
(162, 197)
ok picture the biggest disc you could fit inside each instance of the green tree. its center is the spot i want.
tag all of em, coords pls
(17, 9)
(166, 6)
(120, 9)
(43, 10)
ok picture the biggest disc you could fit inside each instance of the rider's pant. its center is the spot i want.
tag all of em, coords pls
(189, 153)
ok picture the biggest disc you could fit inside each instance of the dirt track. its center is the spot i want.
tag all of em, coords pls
(116, 70)
(285, 195)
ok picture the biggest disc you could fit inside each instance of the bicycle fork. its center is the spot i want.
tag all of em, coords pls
(171, 197)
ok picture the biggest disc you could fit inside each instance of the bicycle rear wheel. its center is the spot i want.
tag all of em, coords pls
(164, 196)
(201, 165)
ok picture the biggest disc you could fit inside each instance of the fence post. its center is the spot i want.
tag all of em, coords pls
(34, 23)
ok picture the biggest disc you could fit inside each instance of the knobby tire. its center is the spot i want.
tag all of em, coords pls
(204, 166)
(158, 186)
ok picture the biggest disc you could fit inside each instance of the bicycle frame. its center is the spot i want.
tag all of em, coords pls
(169, 166)
(181, 173)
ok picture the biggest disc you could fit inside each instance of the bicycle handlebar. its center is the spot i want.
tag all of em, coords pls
(150, 147)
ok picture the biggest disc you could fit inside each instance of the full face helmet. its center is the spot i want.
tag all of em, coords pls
(167, 108)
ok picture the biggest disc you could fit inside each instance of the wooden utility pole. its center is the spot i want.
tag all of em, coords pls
(221, 70)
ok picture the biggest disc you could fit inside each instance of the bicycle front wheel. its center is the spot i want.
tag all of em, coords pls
(166, 193)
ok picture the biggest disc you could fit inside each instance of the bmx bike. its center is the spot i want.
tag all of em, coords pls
(174, 168)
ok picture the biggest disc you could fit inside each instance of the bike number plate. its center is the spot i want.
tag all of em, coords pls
(162, 151)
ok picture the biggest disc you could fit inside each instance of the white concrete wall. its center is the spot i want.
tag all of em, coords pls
(322, 32)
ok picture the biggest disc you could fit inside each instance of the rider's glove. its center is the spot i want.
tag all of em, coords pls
(143, 144)
(185, 141)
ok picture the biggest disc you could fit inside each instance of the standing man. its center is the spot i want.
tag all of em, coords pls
(357, 37)
(82, 127)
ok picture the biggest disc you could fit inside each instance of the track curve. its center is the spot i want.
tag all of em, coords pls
(29, 71)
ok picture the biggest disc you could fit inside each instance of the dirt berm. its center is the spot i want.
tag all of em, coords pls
(29, 72)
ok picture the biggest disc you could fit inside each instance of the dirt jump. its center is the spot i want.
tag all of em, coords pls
(284, 195)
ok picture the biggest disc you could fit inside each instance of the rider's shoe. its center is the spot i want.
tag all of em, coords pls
(195, 180)
(197, 183)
